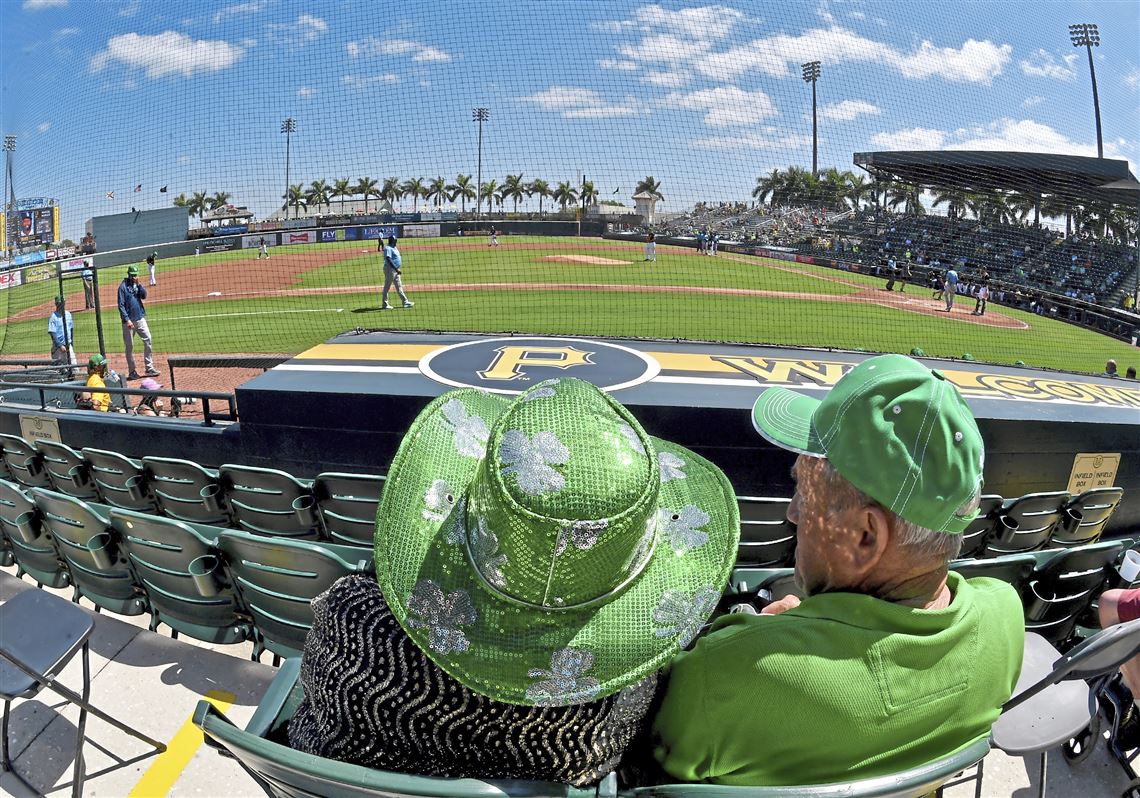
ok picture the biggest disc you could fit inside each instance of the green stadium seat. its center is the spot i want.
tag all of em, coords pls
(270, 502)
(1064, 585)
(1012, 568)
(1026, 523)
(186, 491)
(185, 579)
(277, 578)
(84, 540)
(25, 464)
(262, 751)
(69, 472)
(982, 528)
(1085, 516)
(348, 505)
(28, 539)
(121, 480)
(767, 537)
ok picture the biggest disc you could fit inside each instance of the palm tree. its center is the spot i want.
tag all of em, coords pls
(588, 194)
(180, 201)
(367, 187)
(219, 200)
(1022, 204)
(955, 202)
(295, 199)
(767, 186)
(318, 193)
(437, 190)
(342, 188)
(651, 186)
(391, 190)
(858, 190)
(413, 187)
(462, 189)
(539, 187)
(907, 195)
(565, 195)
(198, 203)
(1054, 207)
(514, 187)
(988, 207)
(832, 188)
(487, 191)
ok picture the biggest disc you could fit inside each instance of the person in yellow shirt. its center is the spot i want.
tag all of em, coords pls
(96, 374)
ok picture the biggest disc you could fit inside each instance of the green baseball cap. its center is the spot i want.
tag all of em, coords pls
(132, 271)
(546, 551)
(96, 361)
(893, 428)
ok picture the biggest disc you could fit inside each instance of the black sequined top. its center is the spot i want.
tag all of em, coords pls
(374, 699)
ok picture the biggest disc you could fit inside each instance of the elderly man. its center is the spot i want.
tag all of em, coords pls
(891, 660)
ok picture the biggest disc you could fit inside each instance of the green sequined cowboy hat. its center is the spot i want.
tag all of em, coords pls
(546, 551)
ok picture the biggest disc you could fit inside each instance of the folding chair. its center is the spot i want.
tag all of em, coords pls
(348, 504)
(121, 480)
(25, 464)
(767, 537)
(52, 630)
(270, 502)
(186, 491)
(1027, 522)
(69, 472)
(1051, 703)
(28, 539)
(1085, 516)
(283, 771)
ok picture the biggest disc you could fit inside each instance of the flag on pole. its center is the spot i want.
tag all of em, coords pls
(110, 195)
(616, 190)
(162, 190)
(138, 188)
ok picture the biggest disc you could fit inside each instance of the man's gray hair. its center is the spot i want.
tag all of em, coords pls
(922, 542)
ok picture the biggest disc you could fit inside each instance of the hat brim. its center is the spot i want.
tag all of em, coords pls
(503, 649)
(784, 418)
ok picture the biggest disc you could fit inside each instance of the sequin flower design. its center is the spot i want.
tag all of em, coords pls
(683, 529)
(470, 431)
(541, 392)
(565, 682)
(630, 434)
(670, 466)
(530, 460)
(442, 615)
(583, 534)
(484, 547)
(438, 501)
(680, 615)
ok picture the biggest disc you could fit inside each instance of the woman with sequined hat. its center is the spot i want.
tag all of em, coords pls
(537, 562)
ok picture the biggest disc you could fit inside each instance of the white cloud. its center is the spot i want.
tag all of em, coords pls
(847, 110)
(915, 138)
(305, 92)
(780, 55)
(1029, 102)
(1132, 79)
(131, 8)
(43, 127)
(618, 65)
(668, 80)
(768, 140)
(1041, 64)
(167, 53)
(703, 23)
(856, 15)
(252, 7)
(664, 48)
(183, 159)
(63, 33)
(576, 103)
(725, 106)
(304, 30)
(374, 46)
(40, 5)
(364, 81)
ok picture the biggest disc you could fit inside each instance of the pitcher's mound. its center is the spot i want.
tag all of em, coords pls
(590, 259)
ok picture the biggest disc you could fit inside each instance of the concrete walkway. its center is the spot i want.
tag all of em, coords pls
(153, 682)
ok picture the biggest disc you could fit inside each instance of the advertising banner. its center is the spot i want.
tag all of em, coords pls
(76, 265)
(379, 231)
(402, 217)
(37, 274)
(298, 237)
(805, 259)
(421, 231)
(30, 257)
(254, 241)
(294, 224)
(10, 279)
(371, 218)
(229, 229)
(221, 245)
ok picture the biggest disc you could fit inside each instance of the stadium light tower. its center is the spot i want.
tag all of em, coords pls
(479, 115)
(288, 127)
(9, 191)
(1086, 35)
(811, 75)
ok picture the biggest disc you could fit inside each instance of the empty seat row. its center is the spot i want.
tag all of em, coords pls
(336, 507)
(210, 583)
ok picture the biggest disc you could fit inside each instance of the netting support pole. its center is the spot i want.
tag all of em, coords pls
(98, 310)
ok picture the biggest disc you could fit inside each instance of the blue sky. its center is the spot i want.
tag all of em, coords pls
(104, 96)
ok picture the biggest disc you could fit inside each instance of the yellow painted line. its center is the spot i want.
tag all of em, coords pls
(411, 352)
(168, 767)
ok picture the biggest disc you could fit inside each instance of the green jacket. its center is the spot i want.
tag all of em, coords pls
(843, 687)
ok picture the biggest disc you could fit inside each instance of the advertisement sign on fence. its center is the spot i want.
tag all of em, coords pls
(221, 245)
(379, 231)
(421, 230)
(30, 257)
(253, 242)
(298, 237)
(37, 274)
(229, 229)
(78, 264)
(10, 279)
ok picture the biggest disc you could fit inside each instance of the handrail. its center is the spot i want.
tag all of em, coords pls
(205, 396)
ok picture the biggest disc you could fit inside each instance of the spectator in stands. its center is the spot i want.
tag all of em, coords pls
(1130, 373)
(88, 286)
(61, 328)
(132, 312)
(1110, 369)
(891, 660)
(96, 374)
(537, 561)
(393, 265)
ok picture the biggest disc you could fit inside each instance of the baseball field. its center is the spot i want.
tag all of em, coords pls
(231, 302)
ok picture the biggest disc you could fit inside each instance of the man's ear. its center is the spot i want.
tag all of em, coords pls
(873, 539)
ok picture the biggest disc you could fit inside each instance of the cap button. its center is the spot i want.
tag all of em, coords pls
(957, 437)
(896, 410)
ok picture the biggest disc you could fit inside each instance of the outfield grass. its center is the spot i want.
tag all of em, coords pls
(288, 324)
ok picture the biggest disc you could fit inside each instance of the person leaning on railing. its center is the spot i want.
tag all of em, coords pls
(891, 660)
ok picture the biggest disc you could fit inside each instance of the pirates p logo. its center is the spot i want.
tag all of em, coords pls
(511, 362)
(511, 365)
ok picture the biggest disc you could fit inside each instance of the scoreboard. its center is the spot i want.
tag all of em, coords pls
(32, 223)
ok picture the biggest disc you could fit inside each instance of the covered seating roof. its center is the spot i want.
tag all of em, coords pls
(1072, 177)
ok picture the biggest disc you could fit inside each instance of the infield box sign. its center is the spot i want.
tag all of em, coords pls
(1093, 470)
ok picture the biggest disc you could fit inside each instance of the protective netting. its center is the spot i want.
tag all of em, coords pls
(263, 152)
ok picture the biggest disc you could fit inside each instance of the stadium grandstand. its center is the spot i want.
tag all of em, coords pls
(569, 399)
